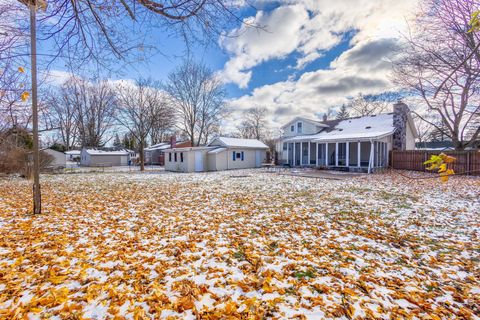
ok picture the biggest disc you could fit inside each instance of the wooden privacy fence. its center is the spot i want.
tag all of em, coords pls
(467, 162)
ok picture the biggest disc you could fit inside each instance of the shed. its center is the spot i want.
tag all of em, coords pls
(104, 157)
(221, 153)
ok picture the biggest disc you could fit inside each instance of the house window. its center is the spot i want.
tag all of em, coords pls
(175, 156)
(299, 127)
(169, 157)
(292, 128)
(284, 146)
(181, 156)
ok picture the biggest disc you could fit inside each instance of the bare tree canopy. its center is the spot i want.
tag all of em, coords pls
(368, 105)
(198, 97)
(95, 104)
(254, 125)
(137, 107)
(62, 113)
(104, 32)
(434, 67)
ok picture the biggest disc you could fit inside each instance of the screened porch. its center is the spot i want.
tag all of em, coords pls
(351, 155)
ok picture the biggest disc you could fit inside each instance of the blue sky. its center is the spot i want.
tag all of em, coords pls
(314, 54)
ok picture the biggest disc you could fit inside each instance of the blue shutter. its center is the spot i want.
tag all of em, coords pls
(242, 155)
(233, 155)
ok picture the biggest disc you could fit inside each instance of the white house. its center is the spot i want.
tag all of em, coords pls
(220, 154)
(354, 144)
(105, 157)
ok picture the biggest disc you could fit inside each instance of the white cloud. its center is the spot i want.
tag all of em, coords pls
(309, 27)
(316, 27)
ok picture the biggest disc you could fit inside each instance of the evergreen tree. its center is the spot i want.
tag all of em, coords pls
(116, 142)
(343, 113)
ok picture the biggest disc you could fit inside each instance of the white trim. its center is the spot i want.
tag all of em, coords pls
(359, 154)
(326, 154)
(336, 154)
(347, 154)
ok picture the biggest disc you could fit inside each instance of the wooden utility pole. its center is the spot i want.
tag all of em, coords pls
(37, 202)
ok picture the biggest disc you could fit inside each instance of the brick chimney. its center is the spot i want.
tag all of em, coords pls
(325, 117)
(400, 118)
(173, 142)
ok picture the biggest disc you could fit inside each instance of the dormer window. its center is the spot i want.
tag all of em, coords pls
(299, 127)
(292, 128)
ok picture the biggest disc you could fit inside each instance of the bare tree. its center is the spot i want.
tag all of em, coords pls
(95, 105)
(198, 97)
(137, 105)
(368, 105)
(433, 66)
(254, 125)
(164, 121)
(63, 112)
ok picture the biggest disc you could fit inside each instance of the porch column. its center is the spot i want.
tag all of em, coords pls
(326, 154)
(359, 152)
(336, 154)
(294, 154)
(308, 153)
(316, 155)
(370, 161)
(347, 154)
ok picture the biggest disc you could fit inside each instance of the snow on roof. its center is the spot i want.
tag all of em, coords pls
(239, 143)
(73, 152)
(363, 128)
(98, 152)
(217, 150)
(159, 146)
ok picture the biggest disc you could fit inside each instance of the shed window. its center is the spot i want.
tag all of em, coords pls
(169, 157)
(181, 156)
(175, 156)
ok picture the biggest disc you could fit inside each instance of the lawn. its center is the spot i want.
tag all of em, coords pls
(240, 244)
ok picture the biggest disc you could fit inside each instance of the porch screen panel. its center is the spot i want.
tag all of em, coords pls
(297, 153)
(321, 154)
(290, 154)
(364, 153)
(304, 153)
(342, 154)
(313, 151)
(353, 154)
(331, 154)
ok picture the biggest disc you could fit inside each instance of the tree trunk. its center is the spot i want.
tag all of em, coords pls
(142, 160)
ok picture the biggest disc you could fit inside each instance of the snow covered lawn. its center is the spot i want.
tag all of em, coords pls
(240, 244)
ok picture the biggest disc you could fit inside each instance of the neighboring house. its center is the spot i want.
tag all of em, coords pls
(72, 155)
(154, 155)
(58, 157)
(354, 144)
(220, 154)
(435, 145)
(105, 157)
